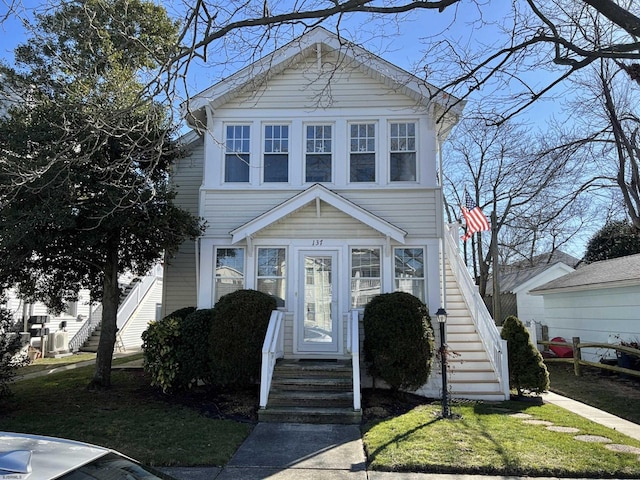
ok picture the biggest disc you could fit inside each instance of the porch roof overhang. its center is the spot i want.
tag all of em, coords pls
(317, 193)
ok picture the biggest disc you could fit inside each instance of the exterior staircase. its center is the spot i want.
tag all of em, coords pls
(311, 391)
(91, 343)
(470, 374)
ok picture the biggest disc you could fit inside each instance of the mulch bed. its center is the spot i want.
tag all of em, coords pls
(241, 405)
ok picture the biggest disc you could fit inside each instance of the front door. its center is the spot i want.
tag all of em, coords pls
(317, 315)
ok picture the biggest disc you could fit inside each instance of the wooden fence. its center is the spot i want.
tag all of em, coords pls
(577, 360)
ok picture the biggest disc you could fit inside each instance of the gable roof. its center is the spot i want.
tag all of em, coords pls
(317, 193)
(520, 280)
(314, 42)
(617, 272)
(522, 275)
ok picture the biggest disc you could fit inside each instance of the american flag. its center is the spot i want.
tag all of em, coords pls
(474, 218)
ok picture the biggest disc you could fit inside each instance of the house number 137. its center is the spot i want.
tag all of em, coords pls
(316, 243)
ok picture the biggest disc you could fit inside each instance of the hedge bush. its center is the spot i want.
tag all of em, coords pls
(240, 321)
(11, 357)
(398, 340)
(527, 371)
(167, 347)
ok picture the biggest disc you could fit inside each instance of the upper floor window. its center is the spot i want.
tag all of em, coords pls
(319, 151)
(237, 156)
(402, 143)
(276, 153)
(365, 276)
(229, 271)
(409, 271)
(362, 148)
(271, 278)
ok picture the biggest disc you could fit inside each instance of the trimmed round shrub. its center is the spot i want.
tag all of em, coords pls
(398, 340)
(240, 321)
(527, 371)
(172, 350)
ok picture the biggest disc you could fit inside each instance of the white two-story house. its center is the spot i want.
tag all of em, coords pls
(316, 170)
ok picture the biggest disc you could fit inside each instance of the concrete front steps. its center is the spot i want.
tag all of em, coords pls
(470, 373)
(311, 391)
(91, 344)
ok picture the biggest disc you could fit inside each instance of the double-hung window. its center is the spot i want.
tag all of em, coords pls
(237, 153)
(229, 271)
(362, 152)
(276, 153)
(409, 271)
(271, 274)
(402, 154)
(365, 275)
(319, 149)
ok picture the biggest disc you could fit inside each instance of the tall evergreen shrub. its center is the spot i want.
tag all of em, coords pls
(398, 340)
(240, 321)
(527, 371)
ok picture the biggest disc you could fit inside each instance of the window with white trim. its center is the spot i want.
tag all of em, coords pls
(362, 152)
(319, 149)
(366, 279)
(402, 152)
(229, 275)
(409, 271)
(276, 153)
(271, 273)
(237, 153)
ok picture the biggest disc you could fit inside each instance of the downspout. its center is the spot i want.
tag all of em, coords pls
(197, 253)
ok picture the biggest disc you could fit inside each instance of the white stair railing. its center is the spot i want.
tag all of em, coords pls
(495, 346)
(272, 350)
(136, 295)
(353, 345)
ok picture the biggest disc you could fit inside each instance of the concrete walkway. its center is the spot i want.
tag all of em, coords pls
(289, 451)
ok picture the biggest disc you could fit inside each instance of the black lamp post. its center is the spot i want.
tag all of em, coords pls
(441, 315)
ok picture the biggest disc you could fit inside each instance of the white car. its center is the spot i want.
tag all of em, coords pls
(33, 457)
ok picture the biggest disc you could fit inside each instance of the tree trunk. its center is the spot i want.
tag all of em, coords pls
(110, 300)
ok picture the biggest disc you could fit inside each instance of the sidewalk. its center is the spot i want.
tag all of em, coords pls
(282, 451)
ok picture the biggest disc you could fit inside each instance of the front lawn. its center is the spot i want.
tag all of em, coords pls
(131, 417)
(490, 439)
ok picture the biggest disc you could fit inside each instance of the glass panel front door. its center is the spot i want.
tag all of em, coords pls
(318, 315)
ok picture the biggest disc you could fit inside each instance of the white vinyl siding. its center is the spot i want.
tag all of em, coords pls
(226, 210)
(594, 315)
(305, 88)
(179, 270)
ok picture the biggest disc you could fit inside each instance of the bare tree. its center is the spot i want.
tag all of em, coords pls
(529, 186)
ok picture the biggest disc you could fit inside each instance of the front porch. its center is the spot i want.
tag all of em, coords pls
(318, 386)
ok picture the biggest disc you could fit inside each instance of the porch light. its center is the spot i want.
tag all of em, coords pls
(441, 315)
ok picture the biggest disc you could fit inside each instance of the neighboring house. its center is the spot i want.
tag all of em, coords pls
(71, 330)
(517, 280)
(316, 170)
(599, 302)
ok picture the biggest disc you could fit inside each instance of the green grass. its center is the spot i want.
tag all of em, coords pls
(156, 429)
(489, 440)
(130, 417)
(46, 363)
(612, 394)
